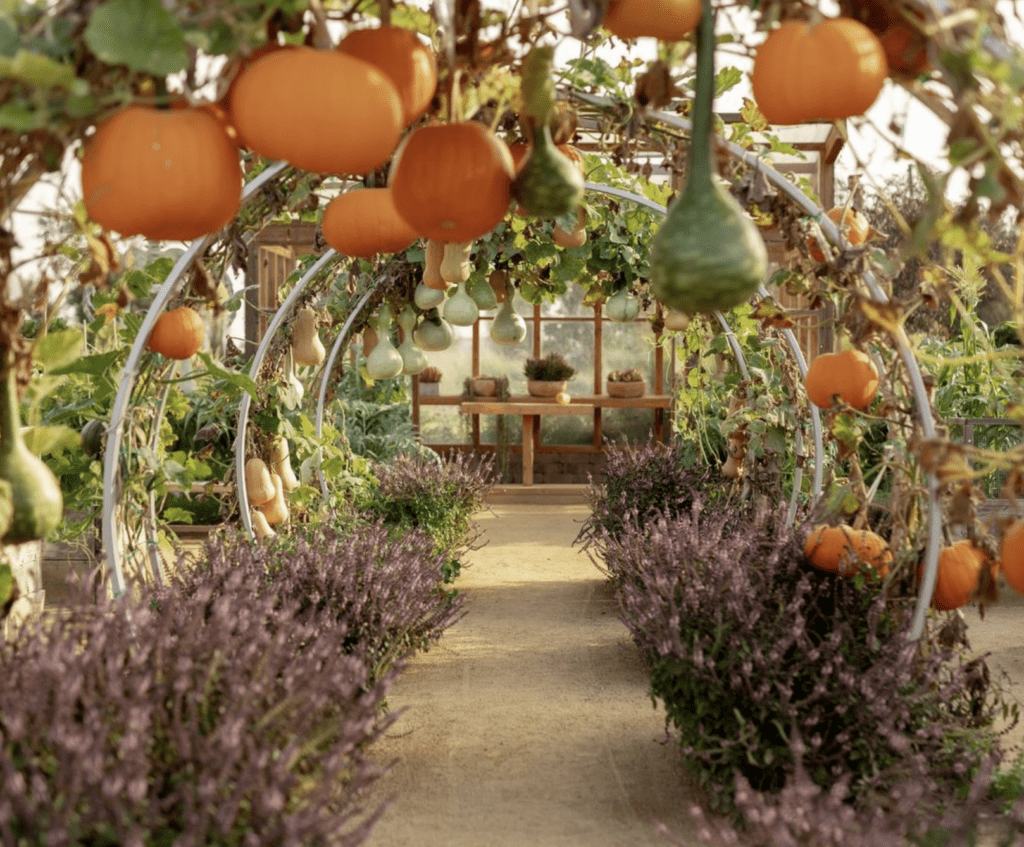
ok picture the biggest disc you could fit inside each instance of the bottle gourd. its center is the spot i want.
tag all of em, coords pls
(36, 501)
(707, 254)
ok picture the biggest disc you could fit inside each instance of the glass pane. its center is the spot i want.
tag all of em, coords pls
(567, 429)
(628, 345)
(454, 362)
(569, 304)
(502, 360)
(489, 428)
(575, 341)
(442, 425)
(619, 426)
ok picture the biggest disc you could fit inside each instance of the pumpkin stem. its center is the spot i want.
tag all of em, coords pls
(700, 141)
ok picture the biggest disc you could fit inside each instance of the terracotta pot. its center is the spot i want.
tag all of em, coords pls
(430, 389)
(545, 388)
(484, 387)
(626, 389)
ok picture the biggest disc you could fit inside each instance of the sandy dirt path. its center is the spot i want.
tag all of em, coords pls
(530, 724)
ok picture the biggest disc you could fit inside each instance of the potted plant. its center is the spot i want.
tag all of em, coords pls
(430, 381)
(547, 376)
(482, 386)
(626, 383)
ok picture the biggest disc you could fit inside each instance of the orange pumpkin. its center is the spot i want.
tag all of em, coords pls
(401, 56)
(161, 173)
(452, 182)
(957, 577)
(319, 110)
(177, 334)
(851, 374)
(826, 71)
(364, 222)
(843, 549)
(854, 228)
(1011, 555)
(906, 50)
(666, 20)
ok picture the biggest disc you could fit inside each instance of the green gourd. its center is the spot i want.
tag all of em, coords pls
(433, 333)
(707, 255)
(548, 184)
(36, 501)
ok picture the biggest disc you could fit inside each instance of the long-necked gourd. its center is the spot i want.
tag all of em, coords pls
(707, 254)
(547, 184)
(384, 361)
(36, 501)
(307, 348)
(413, 360)
(433, 256)
(433, 333)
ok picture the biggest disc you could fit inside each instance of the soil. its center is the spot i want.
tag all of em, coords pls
(531, 723)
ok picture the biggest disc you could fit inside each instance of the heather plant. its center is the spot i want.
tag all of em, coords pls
(191, 720)
(439, 498)
(749, 648)
(639, 482)
(377, 593)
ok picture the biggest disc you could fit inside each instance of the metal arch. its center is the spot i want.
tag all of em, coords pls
(112, 487)
(738, 352)
(254, 370)
(321, 401)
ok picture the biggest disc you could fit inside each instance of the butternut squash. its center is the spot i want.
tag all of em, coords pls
(259, 485)
(260, 527)
(307, 348)
(455, 266)
(577, 237)
(275, 510)
(280, 461)
(433, 255)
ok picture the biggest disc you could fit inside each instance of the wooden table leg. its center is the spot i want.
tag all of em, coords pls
(528, 449)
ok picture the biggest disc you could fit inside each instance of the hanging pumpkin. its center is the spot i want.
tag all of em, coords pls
(826, 71)
(842, 550)
(957, 577)
(1011, 555)
(402, 57)
(177, 334)
(666, 20)
(854, 228)
(364, 222)
(319, 110)
(851, 374)
(452, 182)
(161, 173)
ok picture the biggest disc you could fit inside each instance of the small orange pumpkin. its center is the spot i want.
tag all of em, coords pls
(851, 374)
(397, 52)
(854, 228)
(319, 110)
(452, 182)
(177, 334)
(826, 71)
(161, 173)
(843, 549)
(906, 50)
(957, 577)
(666, 20)
(1011, 555)
(364, 222)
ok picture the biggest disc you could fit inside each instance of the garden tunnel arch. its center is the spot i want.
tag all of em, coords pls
(112, 465)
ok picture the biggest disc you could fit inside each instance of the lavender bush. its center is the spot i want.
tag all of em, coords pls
(371, 591)
(750, 650)
(191, 720)
(439, 498)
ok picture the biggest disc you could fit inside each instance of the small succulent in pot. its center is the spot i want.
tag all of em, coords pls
(550, 368)
(430, 374)
(628, 375)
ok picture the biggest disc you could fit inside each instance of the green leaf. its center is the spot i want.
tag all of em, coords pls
(177, 515)
(42, 440)
(141, 34)
(6, 583)
(20, 118)
(98, 364)
(35, 69)
(240, 381)
(9, 41)
(727, 78)
(57, 349)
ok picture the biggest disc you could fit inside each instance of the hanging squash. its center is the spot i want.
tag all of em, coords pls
(826, 71)
(622, 306)
(280, 461)
(37, 504)
(177, 334)
(707, 254)
(275, 510)
(452, 182)
(433, 333)
(413, 360)
(461, 309)
(403, 58)
(161, 173)
(259, 486)
(455, 265)
(433, 258)
(260, 527)
(854, 228)
(319, 110)
(1011, 555)
(483, 295)
(843, 550)
(307, 348)
(851, 374)
(576, 237)
(426, 297)
(547, 184)
(384, 361)
(958, 574)
(508, 327)
(666, 20)
(364, 222)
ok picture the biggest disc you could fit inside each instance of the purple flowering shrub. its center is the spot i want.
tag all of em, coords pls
(754, 654)
(639, 482)
(437, 497)
(373, 592)
(191, 720)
